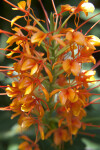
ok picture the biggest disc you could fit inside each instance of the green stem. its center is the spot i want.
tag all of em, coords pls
(40, 25)
(66, 20)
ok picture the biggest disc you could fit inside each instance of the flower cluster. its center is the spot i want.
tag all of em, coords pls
(49, 85)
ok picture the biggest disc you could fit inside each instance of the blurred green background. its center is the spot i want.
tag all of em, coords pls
(9, 130)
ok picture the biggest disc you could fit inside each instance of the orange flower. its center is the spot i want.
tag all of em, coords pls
(71, 66)
(84, 6)
(25, 146)
(68, 94)
(77, 37)
(38, 37)
(29, 64)
(93, 40)
(86, 77)
(61, 135)
(14, 90)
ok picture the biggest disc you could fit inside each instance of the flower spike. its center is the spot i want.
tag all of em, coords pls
(50, 86)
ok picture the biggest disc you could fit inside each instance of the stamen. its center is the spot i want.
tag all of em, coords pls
(92, 125)
(92, 102)
(84, 133)
(9, 50)
(94, 88)
(6, 32)
(86, 22)
(6, 67)
(96, 65)
(5, 108)
(92, 27)
(55, 13)
(5, 70)
(46, 15)
(96, 51)
(3, 93)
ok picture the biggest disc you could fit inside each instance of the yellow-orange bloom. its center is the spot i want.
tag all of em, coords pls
(77, 37)
(61, 135)
(68, 94)
(71, 66)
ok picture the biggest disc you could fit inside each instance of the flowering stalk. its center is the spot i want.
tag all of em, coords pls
(50, 86)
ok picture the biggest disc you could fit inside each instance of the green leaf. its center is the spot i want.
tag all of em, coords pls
(61, 51)
(51, 22)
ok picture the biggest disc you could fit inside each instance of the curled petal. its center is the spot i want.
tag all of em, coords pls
(93, 40)
(34, 69)
(28, 3)
(41, 132)
(22, 4)
(29, 89)
(87, 7)
(54, 92)
(28, 64)
(79, 38)
(15, 19)
(45, 93)
(49, 73)
(67, 7)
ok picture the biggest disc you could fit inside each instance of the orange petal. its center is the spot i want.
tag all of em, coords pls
(63, 98)
(66, 7)
(28, 64)
(79, 38)
(25, 82)
(66, 65)
(25, 108)
(34, 69)
(49, 133)
(45, 92)
(93, 40)
(28, 3)
(26, 122)
(12, 39)
(71, 94)
(22, 4)
(27, 48)
(25, 138)
(87, 7)
(57, 138)
(29, 89)
(69, 36)
(49, 73)
(60, 122)
(38, 37)
(61, 42)
(24, 145)
(54, 92)
(15, 19)
(92, 59)
(32, 28)
(41, 132)
(75, 68)
(41, 111)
